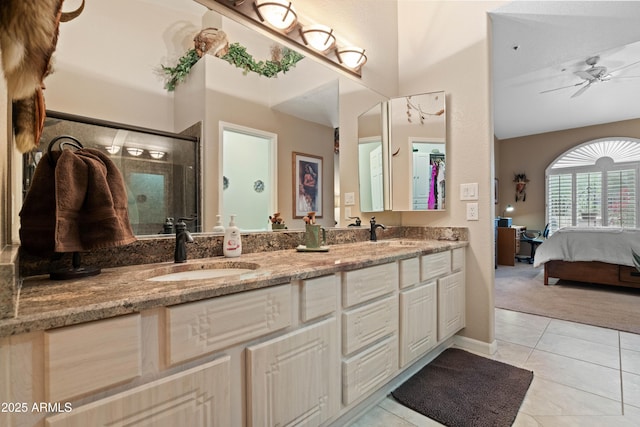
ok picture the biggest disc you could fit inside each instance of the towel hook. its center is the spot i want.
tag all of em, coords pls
(74, 143)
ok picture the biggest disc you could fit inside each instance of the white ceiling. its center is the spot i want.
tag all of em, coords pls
(553, 40)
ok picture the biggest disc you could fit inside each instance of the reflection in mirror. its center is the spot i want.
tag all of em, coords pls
(418, 145)
(370, 160)
(159, 168)
(249, 176)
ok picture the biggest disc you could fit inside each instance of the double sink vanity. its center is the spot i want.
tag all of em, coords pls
(274, 337)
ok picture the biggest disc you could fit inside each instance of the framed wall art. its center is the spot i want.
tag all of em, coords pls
(307, 185)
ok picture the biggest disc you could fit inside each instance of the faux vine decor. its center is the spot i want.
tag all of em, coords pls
(238, 56)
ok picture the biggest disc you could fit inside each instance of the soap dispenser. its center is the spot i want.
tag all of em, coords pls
(219, 228)
(232, 244)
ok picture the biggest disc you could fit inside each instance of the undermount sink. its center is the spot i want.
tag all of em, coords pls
(202, 271)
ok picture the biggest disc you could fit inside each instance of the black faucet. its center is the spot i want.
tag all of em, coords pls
(357, 223)
(374, 237)
(182, 237)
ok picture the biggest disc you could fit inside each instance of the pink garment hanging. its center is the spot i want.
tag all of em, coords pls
(432, 187)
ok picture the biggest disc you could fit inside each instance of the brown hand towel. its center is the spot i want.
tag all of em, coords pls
(37, 216)
(89, 206)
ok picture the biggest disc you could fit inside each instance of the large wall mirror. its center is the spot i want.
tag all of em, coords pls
(373, 159)
(402, 154)
(417, 143)
(301, 107)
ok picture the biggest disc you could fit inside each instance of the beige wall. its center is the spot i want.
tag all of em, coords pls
(439, 43)
(533, 154)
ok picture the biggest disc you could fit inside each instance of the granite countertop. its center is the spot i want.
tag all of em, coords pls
(45, 304)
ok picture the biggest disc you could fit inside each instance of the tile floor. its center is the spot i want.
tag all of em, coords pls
(584, 376)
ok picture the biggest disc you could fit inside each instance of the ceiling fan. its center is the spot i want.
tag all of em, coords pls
(594, 74)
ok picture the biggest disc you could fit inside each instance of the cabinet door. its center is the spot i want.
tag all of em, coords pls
(451, 305)
(198, 397)
(294, 379)
(418, 322)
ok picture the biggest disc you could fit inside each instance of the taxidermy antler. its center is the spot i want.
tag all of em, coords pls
(28, 38)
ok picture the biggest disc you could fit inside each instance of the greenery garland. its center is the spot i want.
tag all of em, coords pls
(238, 56)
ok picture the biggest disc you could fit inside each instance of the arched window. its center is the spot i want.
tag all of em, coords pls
(595, 185)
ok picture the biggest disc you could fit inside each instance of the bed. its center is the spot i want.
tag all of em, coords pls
(592, 255)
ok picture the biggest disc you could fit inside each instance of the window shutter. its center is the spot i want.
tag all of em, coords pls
(560, 198)
(621, 198)
(588, 201)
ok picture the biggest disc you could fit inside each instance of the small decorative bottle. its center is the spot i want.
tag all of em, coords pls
(232, 244)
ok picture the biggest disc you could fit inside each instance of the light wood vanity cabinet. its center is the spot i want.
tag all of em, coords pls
(301, 353)
(369, 329)
(432, 309)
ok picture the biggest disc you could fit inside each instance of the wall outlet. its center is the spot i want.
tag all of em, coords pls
(472, 212)
(347, 212)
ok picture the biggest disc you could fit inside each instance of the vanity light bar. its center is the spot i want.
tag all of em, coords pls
(280, 18)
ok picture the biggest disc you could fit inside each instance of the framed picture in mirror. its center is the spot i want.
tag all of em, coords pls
(307, 185)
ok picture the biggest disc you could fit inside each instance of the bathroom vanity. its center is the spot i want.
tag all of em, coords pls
(291, 339)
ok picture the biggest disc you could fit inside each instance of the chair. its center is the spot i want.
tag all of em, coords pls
(534, 239)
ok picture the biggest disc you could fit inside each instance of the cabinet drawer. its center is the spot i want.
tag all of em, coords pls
(367, 324)
(198, 397)
(368, 283)
(198, 328)
(434, 265)
(365, 372)
(89, 357)
(318, 297)
(457, 259)
(409, 272)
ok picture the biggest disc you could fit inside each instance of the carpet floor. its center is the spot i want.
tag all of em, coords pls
(521, 288)
(460, 389)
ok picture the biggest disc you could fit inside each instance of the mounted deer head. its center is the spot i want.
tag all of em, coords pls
(28, 38)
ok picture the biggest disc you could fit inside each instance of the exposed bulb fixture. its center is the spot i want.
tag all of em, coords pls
(156, 154)
(117, 142)
(352, 57)
(112, 149)
(135, 151)
(280, 14)
(318, 37)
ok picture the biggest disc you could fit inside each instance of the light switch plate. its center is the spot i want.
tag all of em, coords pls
(469, 191)
(349, 199)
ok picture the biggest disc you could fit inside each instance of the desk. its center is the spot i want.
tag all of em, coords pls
(509, 244)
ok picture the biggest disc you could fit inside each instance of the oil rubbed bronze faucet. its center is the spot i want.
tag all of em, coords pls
(374, 237)
(182, 237)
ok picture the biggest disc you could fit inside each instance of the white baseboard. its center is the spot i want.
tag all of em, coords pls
(475, 345)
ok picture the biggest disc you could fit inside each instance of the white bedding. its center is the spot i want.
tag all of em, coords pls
(612, 245)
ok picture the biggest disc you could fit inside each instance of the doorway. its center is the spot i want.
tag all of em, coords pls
(248, 176)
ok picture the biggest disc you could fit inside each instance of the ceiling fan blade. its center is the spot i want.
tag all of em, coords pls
(581, 90)
(625, 66)
(583, 75)
(563, 87)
